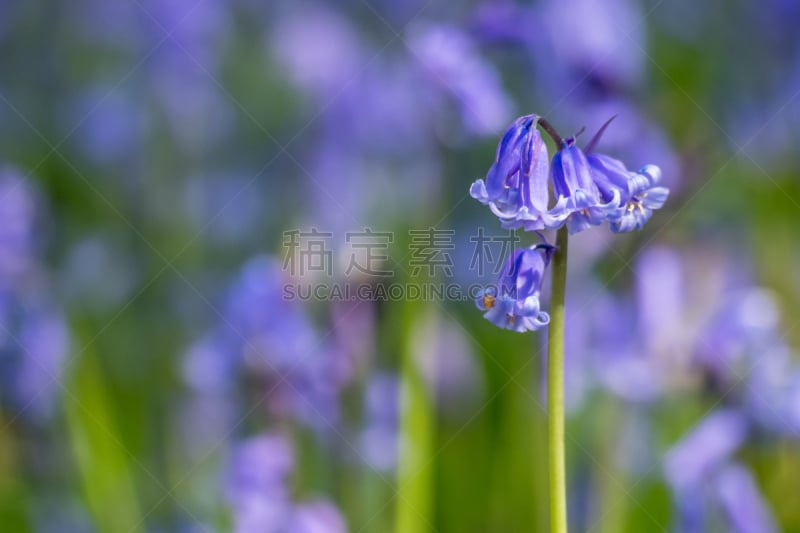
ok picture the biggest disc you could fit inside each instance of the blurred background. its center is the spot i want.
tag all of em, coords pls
(190, 188)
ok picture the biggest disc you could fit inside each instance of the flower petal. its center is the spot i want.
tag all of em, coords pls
(655, 197)
(478, 191)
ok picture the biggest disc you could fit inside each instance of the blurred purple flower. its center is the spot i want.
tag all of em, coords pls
(728, 500)
(318, 516)
(618, 362)
(196, 29)
(272, 341)
(278, 343)
(17, 217)
(34, 338)
(257, 488)
(273, 332)
(588, 38)
(374, 140)
(771, 392)
(506, 22)
(44, 340)
(257, 484)
(660, 302)
(744, 328)
(318, 48)
(260, 466)
(513, 302)
(744, 506)
(704, 478)
(379, 436)
(450, 60)
(349, 184)
(642, 355)
(184, 69)
(705, 449)
(112, 122)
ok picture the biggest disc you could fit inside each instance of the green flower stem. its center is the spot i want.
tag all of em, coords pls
(555, 388)
(415, 468)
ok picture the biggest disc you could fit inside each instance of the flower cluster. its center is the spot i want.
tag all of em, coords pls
(587, 189)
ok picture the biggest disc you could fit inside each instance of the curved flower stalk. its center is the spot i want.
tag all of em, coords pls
(513, 302)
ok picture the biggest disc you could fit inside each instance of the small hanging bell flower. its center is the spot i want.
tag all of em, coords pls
(513, 302)
(516, 186)
(573, 183)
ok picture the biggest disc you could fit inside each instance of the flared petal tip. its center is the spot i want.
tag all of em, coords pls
(655, 198)
(478, 191)
(652, 172)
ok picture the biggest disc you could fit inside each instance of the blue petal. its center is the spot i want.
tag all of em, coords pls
(628, 222)
(655, 197)
(638, 183)
(536, 166)
(583, 199)
(518, 129)
(578, 222)
(528, 307)
(502, 214)
(652, 172)
(610, 175)
(574, 170)
(499, 173)
(502, 314)
(542, 319)
(478, 191)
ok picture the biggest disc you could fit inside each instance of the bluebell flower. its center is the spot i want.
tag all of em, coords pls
(513, 302)
(578, 196)
(637, 192)
(588, 190)
(516, 184)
